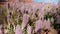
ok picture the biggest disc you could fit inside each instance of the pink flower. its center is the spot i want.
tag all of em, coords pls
(25, 20)
(18, 30)
(1, 32)
(41, 16)
(38, 25)
(29, 11)
(22, 9)
(58, 19)
(29, 29)
(42, 11)
(47, 24)
(33, 13)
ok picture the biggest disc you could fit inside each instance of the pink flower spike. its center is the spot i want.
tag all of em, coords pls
(18, 30)
(29, 29)
(25, 20)
(47, 24)
(38, 25)
(1, 32)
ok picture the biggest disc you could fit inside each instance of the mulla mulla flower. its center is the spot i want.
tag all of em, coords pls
(47, 24)
(29, 18)
(18, 30)
(38, 25)
(41, 16)
(29, 29)
(1, 32)
(25, 20)
(22, 9)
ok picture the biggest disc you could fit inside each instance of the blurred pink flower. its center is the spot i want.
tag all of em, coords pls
(22, 9)
(42, 11)
(47, 24)
(33, 13)
(41, 16)
(18, 30)
(58, 19)
(38, 25)
(25, 20)
(1, 32)
(29, 29)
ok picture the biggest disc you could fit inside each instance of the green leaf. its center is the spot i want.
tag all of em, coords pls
(19, 21)
(12, 20)
(11, 28)
(48, 15)
(57, 26)
(25, 30)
